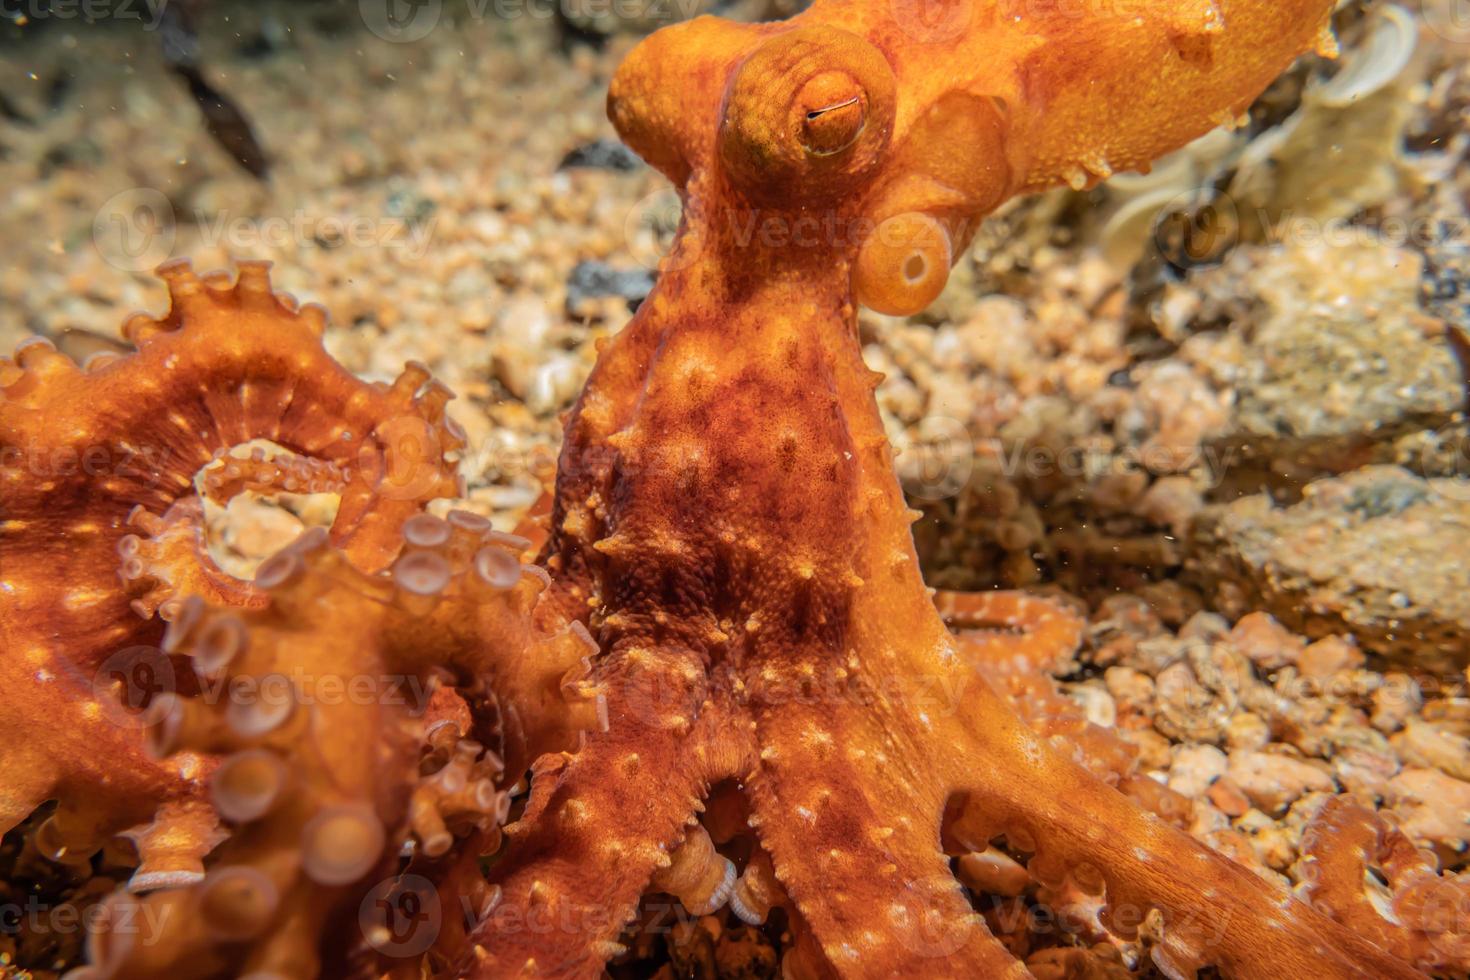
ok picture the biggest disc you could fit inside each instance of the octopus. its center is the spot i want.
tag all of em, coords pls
(714, 651)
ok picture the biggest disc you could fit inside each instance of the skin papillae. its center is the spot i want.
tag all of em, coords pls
(728, 615)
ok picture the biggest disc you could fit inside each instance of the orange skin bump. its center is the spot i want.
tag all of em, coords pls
(728, 522)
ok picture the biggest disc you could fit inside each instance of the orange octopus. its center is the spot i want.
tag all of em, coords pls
(725, 652)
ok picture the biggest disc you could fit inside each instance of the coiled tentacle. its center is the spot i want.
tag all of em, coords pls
(100, 527)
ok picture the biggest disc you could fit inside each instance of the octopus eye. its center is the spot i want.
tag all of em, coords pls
(903, 265)
(807, 115)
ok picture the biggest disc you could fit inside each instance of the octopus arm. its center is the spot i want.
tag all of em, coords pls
(1373, 879)
(517, 656)
(599, 825)
(340, 738)
(999, 631)
(90, 451)
(872, 883)
(86, 755)
(1081, 832)
(1112, 88)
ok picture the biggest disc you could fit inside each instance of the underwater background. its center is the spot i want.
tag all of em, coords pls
(1220, 407)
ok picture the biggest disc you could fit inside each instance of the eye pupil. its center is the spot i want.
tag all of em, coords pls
(834, 113)
(832, 108)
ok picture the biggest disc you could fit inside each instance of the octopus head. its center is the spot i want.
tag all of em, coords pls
(801, 120)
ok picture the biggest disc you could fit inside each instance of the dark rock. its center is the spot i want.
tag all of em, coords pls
(408, 205)
(593, 280)
(601, 155)
(270, 37)
(1378, 554)
(1335, 374)
(80, 152)
(12, 112)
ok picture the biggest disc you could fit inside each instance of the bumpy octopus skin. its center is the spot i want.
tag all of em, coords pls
(728, 523)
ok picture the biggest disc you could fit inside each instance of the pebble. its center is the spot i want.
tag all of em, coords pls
(601, 154)
(1265, 642)
(1195, 767)
(1364, 771)
(1247, 731)
(1227, 796)
(1271, 780)
(1432, 806)
(594, 280)
(1328, 656)
(1423, 744)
